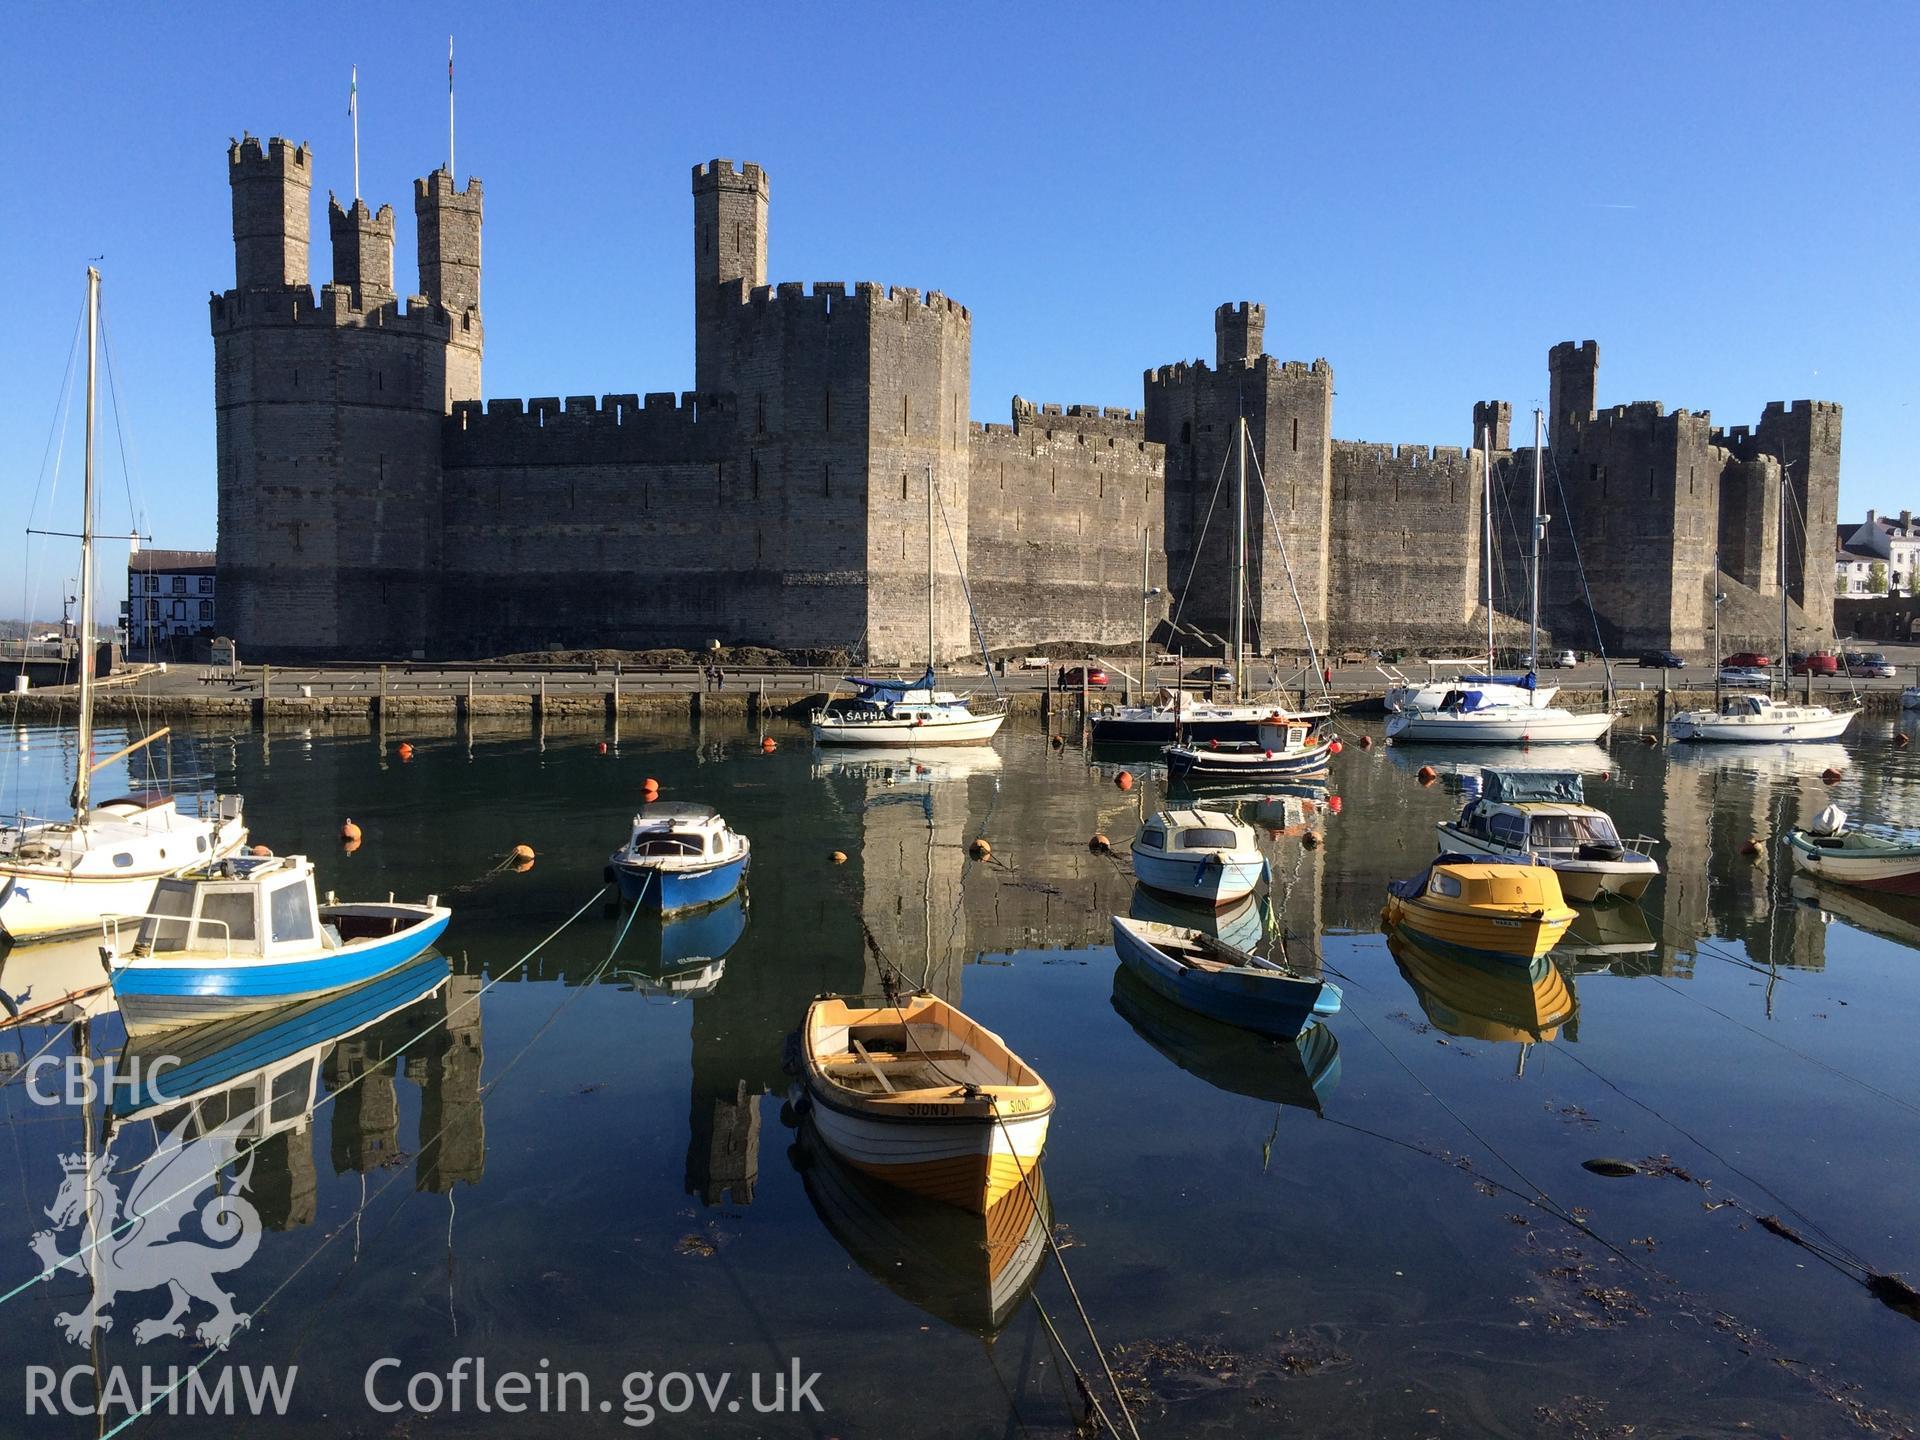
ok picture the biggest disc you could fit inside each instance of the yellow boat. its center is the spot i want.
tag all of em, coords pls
(1482, 998)
(1481, 907)
(918, 1095)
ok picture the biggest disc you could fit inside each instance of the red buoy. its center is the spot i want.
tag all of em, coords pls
(767, 745)
(1830, 775)
(1335, 748)
(1124, 780)
(404, 751)
(1366, 742)
(1333, 803)
(1426, 775)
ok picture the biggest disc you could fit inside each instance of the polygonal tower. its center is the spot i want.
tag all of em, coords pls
(729, 247)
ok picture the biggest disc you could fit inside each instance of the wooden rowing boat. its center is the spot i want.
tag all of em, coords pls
(915, 1093)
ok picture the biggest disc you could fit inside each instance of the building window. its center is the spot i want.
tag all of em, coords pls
(206, 610)
(153, 584)
(179, 584)
(153, 609)
(179, 609)
(206, 584)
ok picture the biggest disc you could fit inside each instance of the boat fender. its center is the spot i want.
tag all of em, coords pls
(1830, 821)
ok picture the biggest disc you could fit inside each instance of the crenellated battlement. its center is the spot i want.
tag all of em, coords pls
(1781, 408)
(715, 173)
(827, 296)
(657, 428)
(1412, 457)
(439, 187)
(280, 156)
(336, 307)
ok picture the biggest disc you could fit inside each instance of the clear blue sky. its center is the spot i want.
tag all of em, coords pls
(1724, 196)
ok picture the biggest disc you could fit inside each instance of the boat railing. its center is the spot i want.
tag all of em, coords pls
(110, 929)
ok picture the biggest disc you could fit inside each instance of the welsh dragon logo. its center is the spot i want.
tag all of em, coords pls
(152, 1252)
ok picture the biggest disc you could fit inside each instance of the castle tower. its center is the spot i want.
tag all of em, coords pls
(362, 252)
(272, 200)
(1239, 333)
(1494, 419)
(729, 250)
(1575, 380)
(1805, 438)
(447, 227)
(329, 415)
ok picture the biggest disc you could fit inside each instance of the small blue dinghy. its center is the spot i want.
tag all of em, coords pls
(245, 934)
(1213, 978)
(679, 857)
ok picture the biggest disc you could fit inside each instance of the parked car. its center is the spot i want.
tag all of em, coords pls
(1563, 660)
(1034, 662)
(1871, 665)
(1747, 659)
(1818, 663)
(1096, 678)
(1209, 675)
(1661, 660)
(1744, 675)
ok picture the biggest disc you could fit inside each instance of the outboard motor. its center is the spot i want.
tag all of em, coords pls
(1830, 821)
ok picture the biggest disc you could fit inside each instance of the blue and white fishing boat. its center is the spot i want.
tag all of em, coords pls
(245, 934)
(1201, 854)
(679, 857)
(1295, 744)
(1213, 978)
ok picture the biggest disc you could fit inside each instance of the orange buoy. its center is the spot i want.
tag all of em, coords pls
(650, 788)
(520, 867)
(1830, 775)
(980, 849)
(603, 747)
(1649, 739)
(1310, 840)
(839, 857)
(1426, 774)
(766, 744)
(1751, 849)
(1366, 742)
(350, 832)
(1058, 743)
(351, 845)
(1124, 780)
(523, 852)
(1099, 844)
(404, 751)
(261, 851)
(1333, 803)
(1335, 748)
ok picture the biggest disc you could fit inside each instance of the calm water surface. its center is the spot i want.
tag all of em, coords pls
(590, 1163)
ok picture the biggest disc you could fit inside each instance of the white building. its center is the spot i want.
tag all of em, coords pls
(1894, 544)
(170, 601)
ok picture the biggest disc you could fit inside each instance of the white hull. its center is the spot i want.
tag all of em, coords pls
(965, 730)
(1505, 725)
(1582, 880)
(1199, 876)
(1757, 729)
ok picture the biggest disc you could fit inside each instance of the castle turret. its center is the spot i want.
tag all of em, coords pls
(1239, 333)
(1575, 381)
(362, 252)
(448, 224)
(1494, 420)
(272, 195)
(729, 248)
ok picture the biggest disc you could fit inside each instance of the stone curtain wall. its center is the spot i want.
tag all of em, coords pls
(1406, 546)
(1057, 502)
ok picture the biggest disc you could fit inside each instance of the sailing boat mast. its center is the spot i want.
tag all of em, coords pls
(1486, 506)
(84, 770)
(1782, 554)
(1145, 595)
(1539, 532)
(1239, 552)
(929, 569)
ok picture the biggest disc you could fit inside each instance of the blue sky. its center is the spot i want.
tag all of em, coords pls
(1724, 196)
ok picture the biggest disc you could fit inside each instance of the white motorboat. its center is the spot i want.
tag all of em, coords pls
(1829, 850)
(908, 713)
(1204, 855)
(64, 877)
(1758, 720)
(1542, 816)
(1472, 719)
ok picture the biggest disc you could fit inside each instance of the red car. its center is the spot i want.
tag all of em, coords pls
(1819, 664)
(1070, 678)
(1746, 660)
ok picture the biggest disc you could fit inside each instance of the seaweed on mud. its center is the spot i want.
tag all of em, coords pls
(1164, 1373)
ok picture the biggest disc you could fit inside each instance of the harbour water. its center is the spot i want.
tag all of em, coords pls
(578, 1152)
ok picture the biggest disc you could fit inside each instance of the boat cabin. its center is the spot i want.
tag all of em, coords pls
(676, 830)
(1542, 811)
(243, 906)
(1762, 707)
(1193, 831)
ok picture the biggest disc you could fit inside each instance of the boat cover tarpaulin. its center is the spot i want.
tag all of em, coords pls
(890, 692)
(1528, 681)
(1514, 787)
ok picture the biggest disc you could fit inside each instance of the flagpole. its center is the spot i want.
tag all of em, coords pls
(353, 108)
(450, 109)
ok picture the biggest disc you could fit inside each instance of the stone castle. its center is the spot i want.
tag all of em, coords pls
(371, 505)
